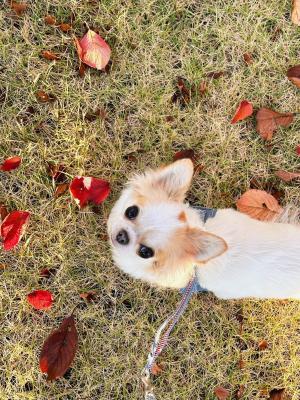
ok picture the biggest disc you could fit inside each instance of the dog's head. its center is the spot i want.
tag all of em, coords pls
(154, 235)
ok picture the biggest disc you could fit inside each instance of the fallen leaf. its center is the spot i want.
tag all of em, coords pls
(259, 204)
(10, 163)
(57, 172)
(82, 69)
(88, 189)
(3, 212)
(244, 110)
(239, 393)
(215, 75)
(50, 20)
(248, 58)
(221, 393)
(287, 176)
(88, 296)
(298, 150)
(61, 189)
(241, 363)
(19, 8)
(93, 115)
(40, 299)
(59, 349)
(256, 183)
(13, 227)
(277, 394)
(93, 50)
(293, 74)
(44, 97)
(203, 87)
(65, 27)
(3, 266)
(47, 273)
(48, 55)
(263, 345)
(182, 95)
(189, 153)
(268, 121)
(296, 12)
(170, 118)
(156, 369)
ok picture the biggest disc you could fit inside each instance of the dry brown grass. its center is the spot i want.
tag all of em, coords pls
(153, 42)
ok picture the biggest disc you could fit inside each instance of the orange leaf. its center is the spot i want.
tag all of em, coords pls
(61, 189)
(156, 369)
(259, 204)
(248, 58)
(245, 109)
(268, 121)
(50, 20)
(93, 50)
(19, 8)
(277, 394)
(263, 344)
(44, 97)
(296, 12)
(59, 349)
(293, 74)
(287, 176)
(221, 393)
(48, 55)
(65, 27)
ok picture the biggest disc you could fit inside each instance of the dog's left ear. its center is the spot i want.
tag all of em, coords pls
(203, 246)
(175, 179)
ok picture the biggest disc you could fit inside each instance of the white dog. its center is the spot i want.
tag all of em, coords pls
(158, 238)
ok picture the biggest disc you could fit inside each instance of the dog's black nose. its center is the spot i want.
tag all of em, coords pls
(122, 237)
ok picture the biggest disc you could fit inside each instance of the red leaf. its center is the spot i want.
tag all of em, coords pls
(40, 299)
(245, 109)
(19, 8)
(59, 349)
(50, 20)
(287, 176)
(10, 163)
(86, 189)
(93, 50)
(48, 55)
(221, 393)
(13, 228)
(298, 150)
(268, 121)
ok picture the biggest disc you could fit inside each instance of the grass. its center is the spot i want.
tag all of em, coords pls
(153, 42)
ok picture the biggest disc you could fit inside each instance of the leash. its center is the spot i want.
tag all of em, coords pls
(161, 340)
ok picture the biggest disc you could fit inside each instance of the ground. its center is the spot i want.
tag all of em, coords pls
(153, 42)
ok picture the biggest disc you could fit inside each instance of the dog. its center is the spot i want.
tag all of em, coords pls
(158, 238)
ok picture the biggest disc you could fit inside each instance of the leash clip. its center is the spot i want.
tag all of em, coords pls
(148, 389)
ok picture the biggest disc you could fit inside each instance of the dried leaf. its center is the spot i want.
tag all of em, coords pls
(241, 363)
(298, 150)
(93, 50)
(182, 95)
(94, 115)
(61, 189)
(277, 394)
(189, 153)
(10, 163)
(156, 369)
(88, 189)
(293, 74)
(296, 12)
(57, 172)
(40, 299)
(248, 58)
(47, 273)
(59, 349)
(82, 69)
(239, 393)
(287, 176)
(215, 75)
(88, 296)
(48, 55)
(244, 110)
(19, 8)
(50, 20)
(259, 204)
(203, 87)
(268, 121)
(13, 228)
(263, 345)
(65, 27)
(221, 393)
(44, 97)
(3, 212)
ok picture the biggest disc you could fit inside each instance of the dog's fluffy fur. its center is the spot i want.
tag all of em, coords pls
(235, 256)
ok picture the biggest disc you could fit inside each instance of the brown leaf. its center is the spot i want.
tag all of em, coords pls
(93, 115)
(47, 273)
(156, 369)
(3, 212)
(241, 363)
(259, 204)
(239, 393)
(88, 296)
(19, 8)
(189, 153)
(50, 20)
(256, 183)
(263, 345)
(44, 97)
(82, 69)
(296, 12)
(57, 172)
(2, 266)
(65, 27)
(287, 176)
(61, 189)
(203, 87)
(215, 75)
(293, 74)
(248, 58)
(221, 393)
(59, 349)
(182, 96)
(268, 121)
(48, 55)
(277, 394)
(170, 118)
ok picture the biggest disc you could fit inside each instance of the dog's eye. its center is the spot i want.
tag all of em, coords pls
(145, 252)
(132, 212)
